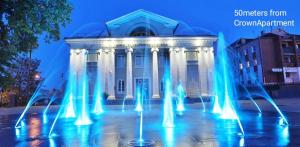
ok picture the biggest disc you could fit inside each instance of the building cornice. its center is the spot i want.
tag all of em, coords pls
(160, 42)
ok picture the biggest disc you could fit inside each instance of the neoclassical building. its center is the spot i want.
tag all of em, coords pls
(138, 48)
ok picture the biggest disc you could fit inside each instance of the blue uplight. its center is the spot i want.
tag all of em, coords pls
(168, 117)
(180, 99)
(138, 107)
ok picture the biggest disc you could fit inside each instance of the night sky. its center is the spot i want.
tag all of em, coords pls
(213, 15)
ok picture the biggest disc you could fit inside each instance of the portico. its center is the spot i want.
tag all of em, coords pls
(127, 59)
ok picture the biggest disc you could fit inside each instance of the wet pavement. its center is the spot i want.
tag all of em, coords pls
(116, 129)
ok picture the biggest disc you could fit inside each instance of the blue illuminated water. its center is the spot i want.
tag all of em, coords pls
(225, 88)
(180, 99)
(248, 95)
(98, 103)
(83, 117)
(168, 112)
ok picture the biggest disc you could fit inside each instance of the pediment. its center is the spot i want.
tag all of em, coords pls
(139, 17)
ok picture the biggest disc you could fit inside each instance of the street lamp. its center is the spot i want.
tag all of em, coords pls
(37, 76)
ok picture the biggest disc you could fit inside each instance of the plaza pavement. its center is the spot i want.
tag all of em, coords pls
(285, 104)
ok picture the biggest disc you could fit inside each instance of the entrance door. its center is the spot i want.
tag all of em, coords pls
(143, 86)
(193, 84)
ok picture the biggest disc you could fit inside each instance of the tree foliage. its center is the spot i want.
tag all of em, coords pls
(26, 79)
(21, 24)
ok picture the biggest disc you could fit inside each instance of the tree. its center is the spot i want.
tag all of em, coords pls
(26, 77)
(21, 24)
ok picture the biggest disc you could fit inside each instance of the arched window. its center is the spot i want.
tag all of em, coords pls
(142, 31)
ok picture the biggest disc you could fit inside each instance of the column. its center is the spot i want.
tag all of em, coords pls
(202, 71)
(101, 69)
(155, 83)
(111, 74)
(105, 74)
(129, 73)
(205, 70)
(182, 68)
(210, 71)
(173, 69)
(81, 76)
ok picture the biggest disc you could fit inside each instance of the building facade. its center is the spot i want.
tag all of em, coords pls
(272, 58)
(139, 48)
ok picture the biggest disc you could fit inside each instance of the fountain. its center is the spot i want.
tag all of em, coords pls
(180, 100)
(35, 97)
(139, 107)
(168, 116)
(263, 93)
(225, 88)
(75, 102)
(248, 95)
(98, 106)
(216, 105)
(203, 104)
(141, 95)
(72, 85)
(83, 115)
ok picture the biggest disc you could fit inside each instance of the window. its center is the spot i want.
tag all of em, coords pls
(284, 45)
(298, 47)
(255, 68)
(287, 74)
(245, 52)
(191, 56)
(248, 64)
(252, 49)
(255, 62)
(121, 86)
(287, 59)
(241, 66)
(92, 57)
(254, 55)
(139, 61)
(120, 61)
(246, 57)
(142, 31)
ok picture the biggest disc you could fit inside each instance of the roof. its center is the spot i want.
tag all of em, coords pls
(98, 30)
(277, 32)
(141, 13)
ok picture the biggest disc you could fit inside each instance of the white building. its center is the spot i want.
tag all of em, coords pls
(138, 48)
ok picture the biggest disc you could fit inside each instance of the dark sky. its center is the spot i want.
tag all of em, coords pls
(213, 15)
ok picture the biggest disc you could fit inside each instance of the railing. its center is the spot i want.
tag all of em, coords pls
(289, 64)
(298, 50)
(288, 50)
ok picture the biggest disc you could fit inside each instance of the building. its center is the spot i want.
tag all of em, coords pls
(272, 58)
(138, 48)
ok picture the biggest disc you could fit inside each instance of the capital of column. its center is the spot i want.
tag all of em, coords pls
(112, 50)
(154, 49)
(183, 49)
(85, 51)
(211, 49)
(78, 51)
(99, 51)
(106, 50)
(177, 50)
(200, 49)
(130, 49)
(172, 50)
(72, 51)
